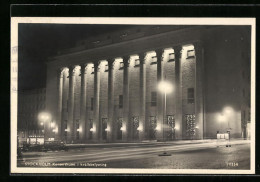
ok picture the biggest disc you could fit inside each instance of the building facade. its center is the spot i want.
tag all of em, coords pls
(106, 88)
(30, 104)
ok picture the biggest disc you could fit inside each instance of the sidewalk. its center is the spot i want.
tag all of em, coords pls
(143, 143)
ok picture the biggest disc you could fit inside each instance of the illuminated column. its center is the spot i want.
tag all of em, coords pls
(58, 133)
(199, 96)
(70, 133)
(126, 132)
(160, 96)
(142, 95)
(96, 121)
(83, 103)
(110, 99)
(178, 92)
(64, 103)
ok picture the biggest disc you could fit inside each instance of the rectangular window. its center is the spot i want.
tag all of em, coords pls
(190, 95)
(120, 101)
(153, 98)
(92, 104)
(190, 54)
(137, 62)
(171, 57)
(154, 60)
(121, 65)
(106, 67)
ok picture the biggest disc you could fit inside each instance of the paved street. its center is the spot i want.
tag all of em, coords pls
(183, 155)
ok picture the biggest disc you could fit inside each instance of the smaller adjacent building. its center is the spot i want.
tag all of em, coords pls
(30, 104)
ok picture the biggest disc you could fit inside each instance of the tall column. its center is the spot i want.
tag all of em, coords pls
(70, 133)
(96, 119)
(178, 93)
(126, 133)
(160, 96)
(83, 103)
(111, 123)
(199, 96)
(59, 104)
(142, 96)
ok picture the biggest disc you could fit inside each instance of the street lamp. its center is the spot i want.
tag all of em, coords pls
(44, 117)
(166, 88)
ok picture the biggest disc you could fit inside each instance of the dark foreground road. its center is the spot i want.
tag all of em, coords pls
(202, 155)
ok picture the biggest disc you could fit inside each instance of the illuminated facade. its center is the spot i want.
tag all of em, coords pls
(30, 103)
(106, 89)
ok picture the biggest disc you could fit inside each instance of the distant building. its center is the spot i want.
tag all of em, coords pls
(30, 104)
(106, 89)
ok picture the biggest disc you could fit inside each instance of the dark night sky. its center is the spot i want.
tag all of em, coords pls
(40, 41)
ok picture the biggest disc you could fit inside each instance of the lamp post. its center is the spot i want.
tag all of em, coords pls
(166, 88)
(44, 117)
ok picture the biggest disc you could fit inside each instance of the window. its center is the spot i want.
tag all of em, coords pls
(190, 95)
(153, 98)
(171, 57)
(154, 60)
(120, 101)
(92, 104)
(137, 62)
(190, 54)
(106, 67)
(121, 65)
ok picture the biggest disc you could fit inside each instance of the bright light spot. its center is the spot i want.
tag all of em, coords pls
(158, 127)
(41, 123)
(107, 129)
(93, 129)
(67, 129)
(123, 128)
(165, 87)
(44, 116)
(197, 127)
(228, 110)
(79, 129)
(52, 125)
(221, 118)
(140, 128)
(177, 127)
(55, 130)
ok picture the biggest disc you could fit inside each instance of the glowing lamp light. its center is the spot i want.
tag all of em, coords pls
(158, 127)
(44, 116)
(79, 129)
(52, 125)
(55, 130)
(177, 127)
(93, 129)
(228, 110)
(221, 118)
(107, 129)
(140, 128)
(67, 129)
(41, 123)
(197, 127)
(123, 128)
(165, 87)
